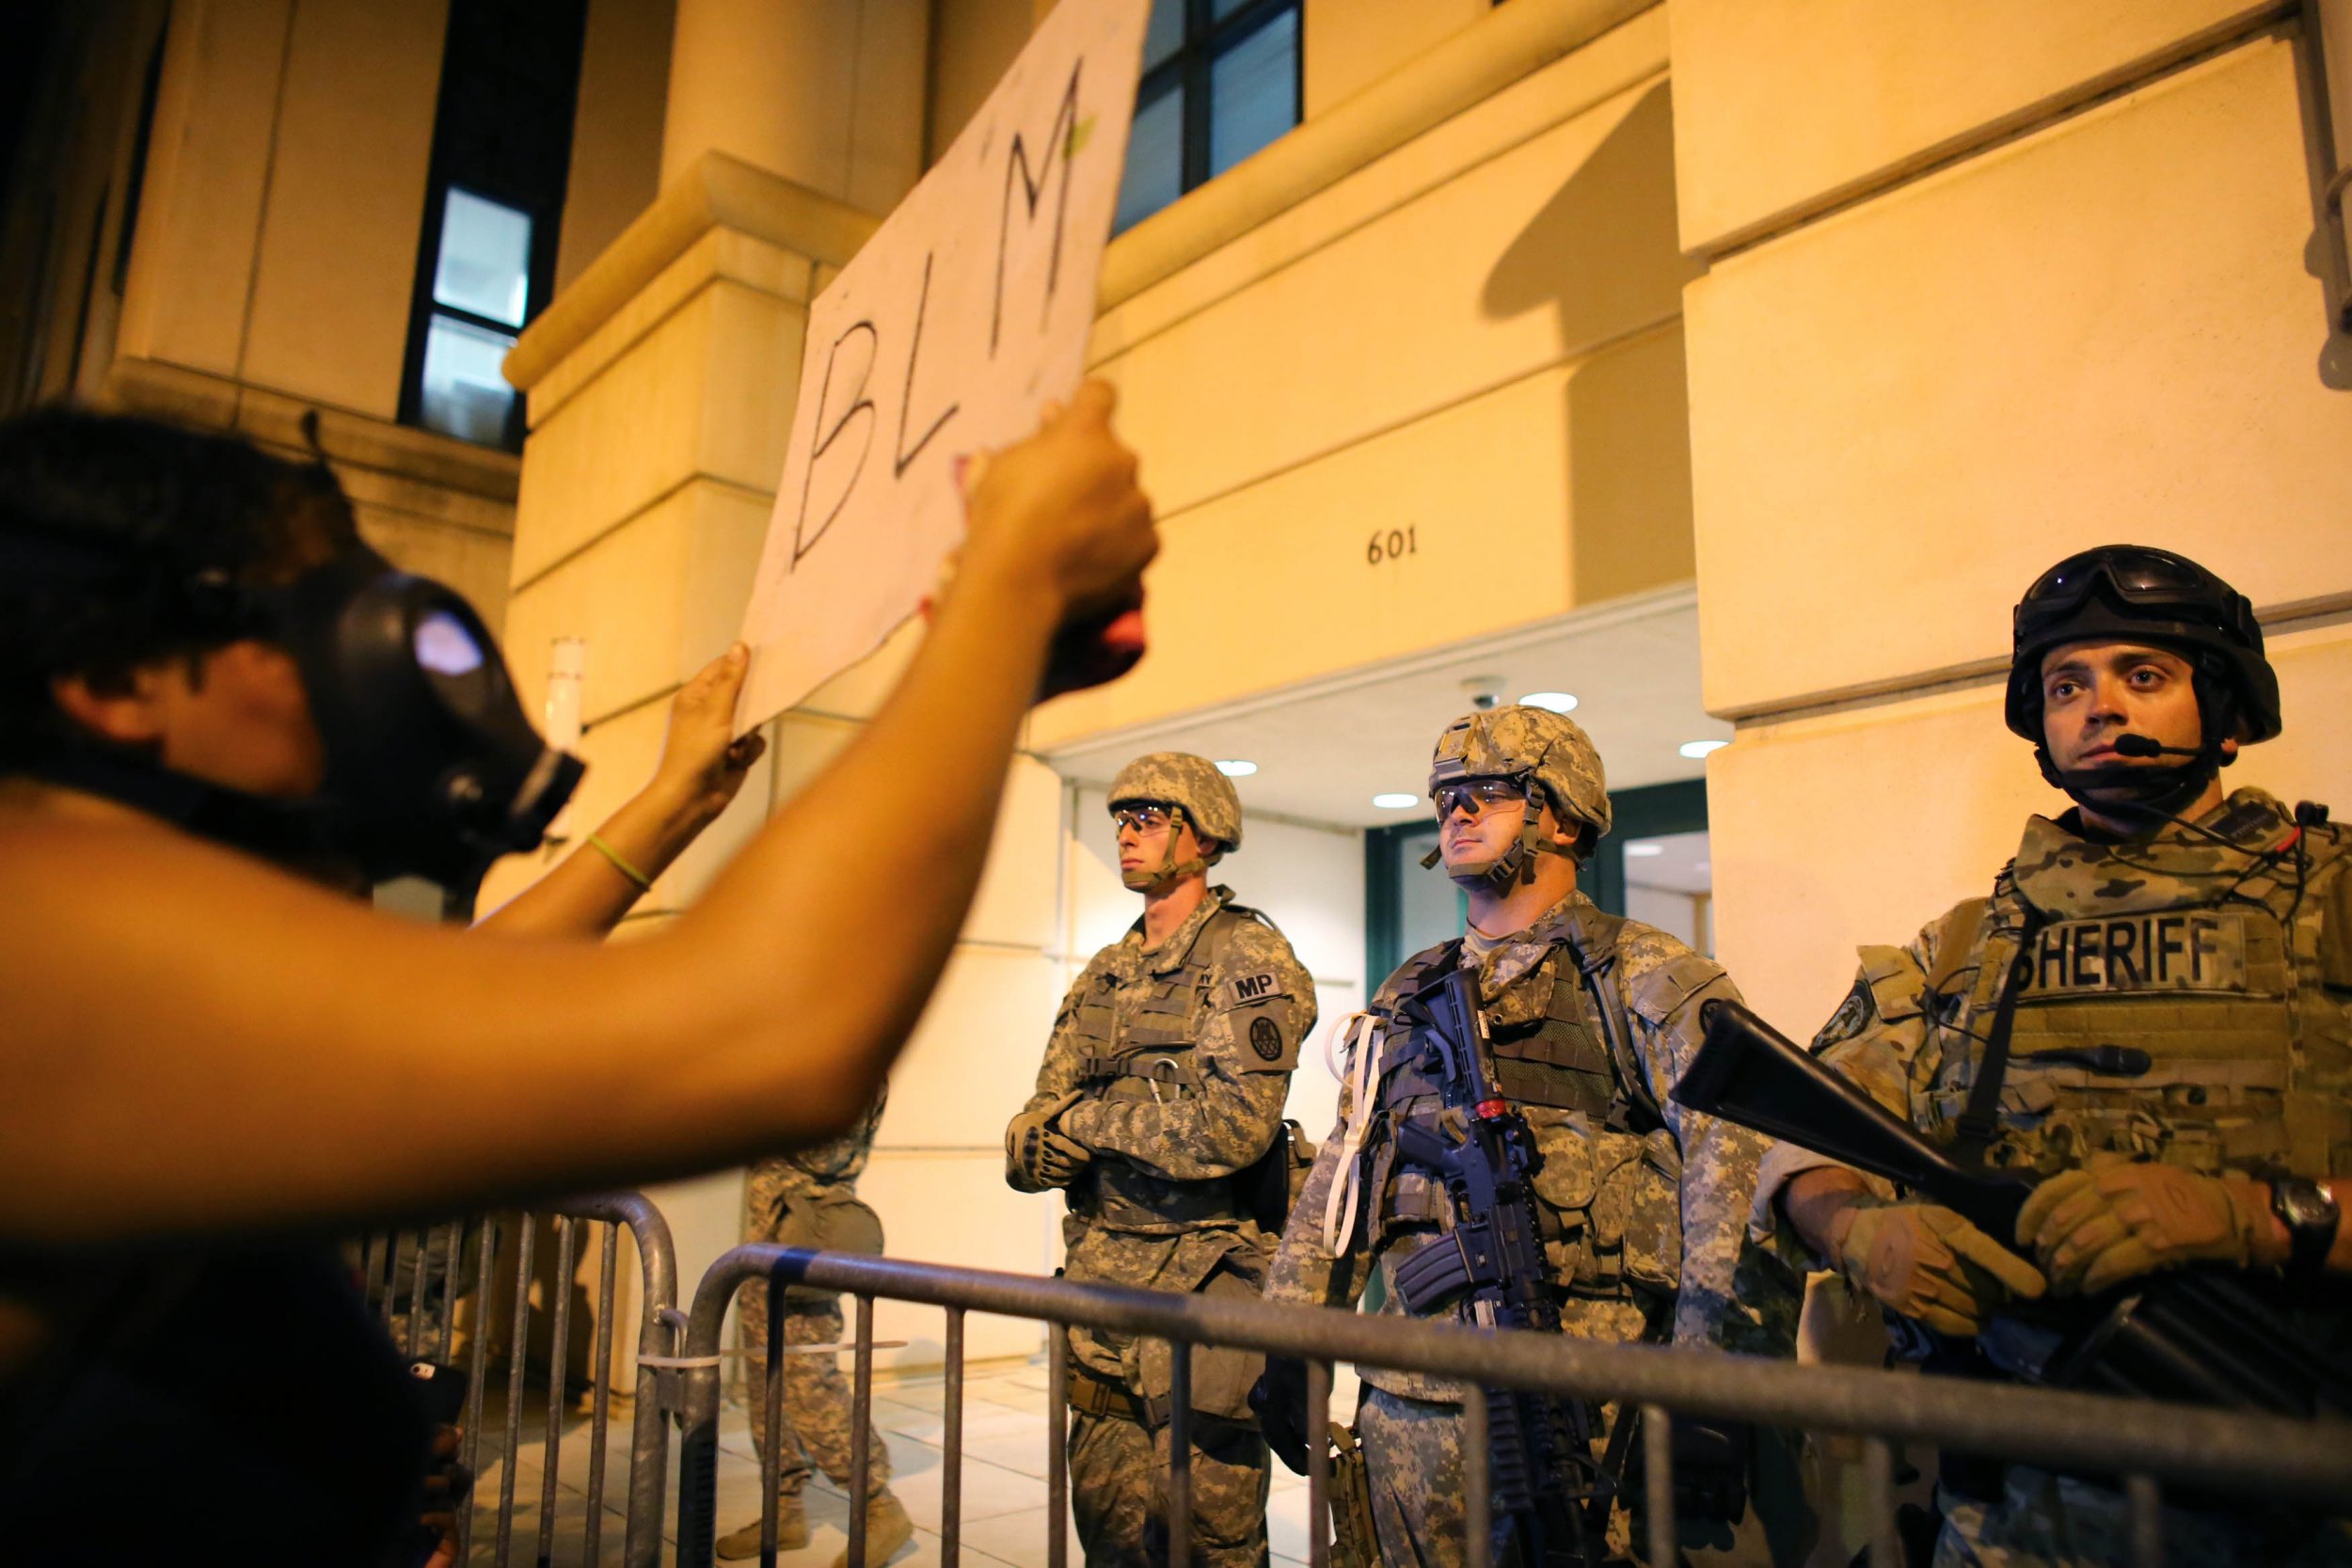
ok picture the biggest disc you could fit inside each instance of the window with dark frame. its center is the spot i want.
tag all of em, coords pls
(485, 256)
(1221, 80)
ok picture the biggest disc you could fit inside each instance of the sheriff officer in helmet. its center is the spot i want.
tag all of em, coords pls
(2148, 1015)
(1159, 1111)
(1643, 1203)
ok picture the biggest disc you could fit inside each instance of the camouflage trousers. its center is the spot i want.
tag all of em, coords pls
(1119, 1492)
(2048, 1521)
(816, 1395)
(1413, 1461)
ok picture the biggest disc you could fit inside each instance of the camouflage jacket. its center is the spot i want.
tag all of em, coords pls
(820, 1170)
(1184, 1055)
(2186, 998)
(1640, 1220)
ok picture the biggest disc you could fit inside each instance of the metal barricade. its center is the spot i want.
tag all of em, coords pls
(427, 1268)
(2251, 1457)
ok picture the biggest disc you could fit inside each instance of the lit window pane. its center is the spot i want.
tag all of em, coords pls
(1166, 34)
(465, 395)
(1253, 92)
(1155, 161)
(485, 258)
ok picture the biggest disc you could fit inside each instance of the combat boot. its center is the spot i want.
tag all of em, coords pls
(887, 1529)
(791, 1532)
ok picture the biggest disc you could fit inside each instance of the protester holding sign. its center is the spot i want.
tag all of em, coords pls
(203, 1045)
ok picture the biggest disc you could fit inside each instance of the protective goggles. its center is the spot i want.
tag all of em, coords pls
(2141, 578)
(1475, 795)
(1146, 817)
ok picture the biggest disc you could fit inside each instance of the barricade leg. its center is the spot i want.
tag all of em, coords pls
(861, 1434)
(517, 1349)
(1878, 1471)
(1658, 1484)
(951, 1472)
(1056, 1447)
(1478, 1535)
(600, 1372)
(1180, 1454)
(1318, 1465)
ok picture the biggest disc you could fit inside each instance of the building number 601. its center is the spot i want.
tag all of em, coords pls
(1390, 546)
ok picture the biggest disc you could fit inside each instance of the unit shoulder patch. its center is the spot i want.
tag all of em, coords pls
(1247, 989)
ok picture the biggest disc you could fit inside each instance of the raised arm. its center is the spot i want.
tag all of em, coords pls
(197, 1042)
(702, 768)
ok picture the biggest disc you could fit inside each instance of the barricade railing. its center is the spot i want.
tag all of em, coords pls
(426, 1266)
(2145, 1442)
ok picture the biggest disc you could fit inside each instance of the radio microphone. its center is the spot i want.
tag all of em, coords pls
(2147, 746)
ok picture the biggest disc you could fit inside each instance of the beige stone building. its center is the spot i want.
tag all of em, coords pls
(1726, 365)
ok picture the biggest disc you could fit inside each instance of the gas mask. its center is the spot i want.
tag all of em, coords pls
(432, 768)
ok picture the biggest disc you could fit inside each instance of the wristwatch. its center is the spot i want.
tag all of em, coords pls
(2310, 1212)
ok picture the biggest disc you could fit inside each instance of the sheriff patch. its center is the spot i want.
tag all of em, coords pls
(2174, 950)
(1252, 989)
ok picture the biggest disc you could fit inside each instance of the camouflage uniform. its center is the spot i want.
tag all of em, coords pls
(797, 1199)
(1184, 1055)
(2231, 963)
(1643, 1229)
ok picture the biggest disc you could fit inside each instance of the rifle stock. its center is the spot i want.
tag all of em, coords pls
(1749, 1072)
(2202, 1336)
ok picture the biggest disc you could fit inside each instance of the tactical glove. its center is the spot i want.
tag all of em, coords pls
(1280, 1403)
(2098, 1227)
(1928, 1263)
(1710, 1469)
(1036, 1156)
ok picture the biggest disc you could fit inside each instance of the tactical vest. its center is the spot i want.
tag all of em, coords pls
(1153, 1060)
(2188, 1013)
(1576, 1059)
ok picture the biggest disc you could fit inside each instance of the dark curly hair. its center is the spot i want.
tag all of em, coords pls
(121, 541)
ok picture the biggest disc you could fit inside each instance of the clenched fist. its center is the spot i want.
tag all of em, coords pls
(1038, 1155)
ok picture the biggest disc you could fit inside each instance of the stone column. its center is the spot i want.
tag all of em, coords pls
(828, 94)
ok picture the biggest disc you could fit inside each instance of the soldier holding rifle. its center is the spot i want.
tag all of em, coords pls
(2148, 1016)
(1583, 1020)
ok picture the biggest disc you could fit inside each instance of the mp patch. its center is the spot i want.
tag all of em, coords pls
(1253, 988)
(1266, 1038)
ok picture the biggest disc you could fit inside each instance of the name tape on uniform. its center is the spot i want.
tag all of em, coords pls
(2174, 950)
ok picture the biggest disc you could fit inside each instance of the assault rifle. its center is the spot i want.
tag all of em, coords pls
(2200, 1336)
(1541, 1465)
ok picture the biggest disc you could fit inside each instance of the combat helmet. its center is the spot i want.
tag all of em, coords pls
(1536, 747)
(2139, 594)
(1192, 786)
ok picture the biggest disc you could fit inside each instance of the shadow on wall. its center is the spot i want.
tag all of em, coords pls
(1603, 256)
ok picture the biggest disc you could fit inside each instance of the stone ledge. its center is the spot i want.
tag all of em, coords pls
(352, 440)
(718, 192)
(1511, 44)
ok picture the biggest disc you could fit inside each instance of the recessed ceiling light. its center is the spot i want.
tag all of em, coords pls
(1235, 767)
(1703, 748)
(1641, 848)
(1558, 702)
(1393, 800)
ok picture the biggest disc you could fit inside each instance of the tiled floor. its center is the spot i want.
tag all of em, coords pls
(1005, 1436)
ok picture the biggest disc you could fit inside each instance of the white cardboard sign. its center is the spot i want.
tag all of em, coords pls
(966, 313)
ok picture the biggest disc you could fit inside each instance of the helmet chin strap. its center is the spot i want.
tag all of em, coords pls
(1515, 866)
(1143, 879)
